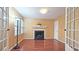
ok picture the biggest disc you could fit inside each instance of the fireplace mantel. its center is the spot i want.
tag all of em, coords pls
(39, 27)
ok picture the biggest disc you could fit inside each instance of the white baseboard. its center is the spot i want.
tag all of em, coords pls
(12, 47)
(33, 38)
(28, 38)
(67, 48)
(61, 41)
(5, 49)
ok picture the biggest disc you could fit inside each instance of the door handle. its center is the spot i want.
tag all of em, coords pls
(64, 29)
(8, 29)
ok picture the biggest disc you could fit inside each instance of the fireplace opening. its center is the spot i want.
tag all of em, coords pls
(39, 35)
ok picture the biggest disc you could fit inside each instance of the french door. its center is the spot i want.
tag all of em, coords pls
(72, 29)
(3, 28)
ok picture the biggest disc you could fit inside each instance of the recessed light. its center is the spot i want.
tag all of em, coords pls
(43, 10)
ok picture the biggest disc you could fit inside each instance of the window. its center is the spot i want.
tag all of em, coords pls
(22, 26)
(18, 25)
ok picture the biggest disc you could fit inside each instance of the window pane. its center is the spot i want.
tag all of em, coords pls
(0, 13)
(21, 26)
(17, 23)
(1, 46)
(5, 43)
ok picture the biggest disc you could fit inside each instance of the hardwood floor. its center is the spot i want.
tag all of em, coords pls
(40, 45)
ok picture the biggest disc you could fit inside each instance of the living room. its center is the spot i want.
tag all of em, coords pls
(39, 29)
(34, 20)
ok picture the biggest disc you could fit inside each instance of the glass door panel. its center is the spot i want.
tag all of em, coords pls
(76, 34)
(0, 13)
(76, 12)
(70, 28)
(5, 43)
(77, 30)
(3, 28)
(1, 45)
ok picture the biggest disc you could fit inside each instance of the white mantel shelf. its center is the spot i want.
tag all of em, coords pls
(39, 27)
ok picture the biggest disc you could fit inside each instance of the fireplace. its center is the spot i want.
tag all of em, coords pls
(39, 35)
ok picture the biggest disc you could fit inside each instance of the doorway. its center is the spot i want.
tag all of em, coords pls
(56, 29)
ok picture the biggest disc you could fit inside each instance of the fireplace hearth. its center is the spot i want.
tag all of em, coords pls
(39, 35)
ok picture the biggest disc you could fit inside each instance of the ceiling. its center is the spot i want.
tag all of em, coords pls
(34, 12)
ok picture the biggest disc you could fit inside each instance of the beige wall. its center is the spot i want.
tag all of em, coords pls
(29, 23)
(61, 27)
(11, 36)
